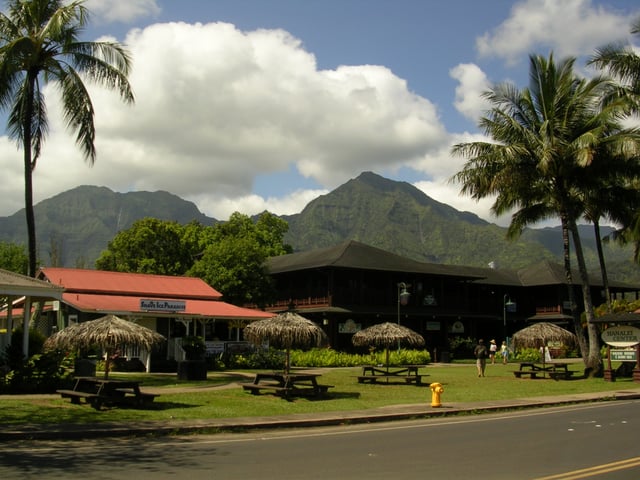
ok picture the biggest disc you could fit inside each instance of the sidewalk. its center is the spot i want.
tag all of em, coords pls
(382, 414)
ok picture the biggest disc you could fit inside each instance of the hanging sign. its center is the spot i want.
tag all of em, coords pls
(621, 336)
(162, 305)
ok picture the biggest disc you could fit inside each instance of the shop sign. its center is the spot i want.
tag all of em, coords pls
(163, 305)
(621, 336)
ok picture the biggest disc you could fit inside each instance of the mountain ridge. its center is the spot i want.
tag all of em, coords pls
(387, 214)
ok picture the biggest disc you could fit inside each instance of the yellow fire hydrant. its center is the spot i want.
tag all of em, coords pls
(436, 391)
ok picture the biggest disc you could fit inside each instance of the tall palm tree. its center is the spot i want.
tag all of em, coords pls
(623, 63)
(39, 43)
(545, 138)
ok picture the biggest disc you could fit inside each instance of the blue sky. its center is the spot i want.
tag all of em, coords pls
(247, 105)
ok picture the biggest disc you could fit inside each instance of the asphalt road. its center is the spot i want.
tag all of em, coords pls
(583, 441)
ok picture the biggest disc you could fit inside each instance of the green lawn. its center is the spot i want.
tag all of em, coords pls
(460, 383)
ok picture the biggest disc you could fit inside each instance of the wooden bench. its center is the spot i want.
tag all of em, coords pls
(118, 396)
(417, 379)
(91, 398)
(531, 373)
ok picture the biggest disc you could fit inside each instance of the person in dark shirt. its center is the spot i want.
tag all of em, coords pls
(481, 357)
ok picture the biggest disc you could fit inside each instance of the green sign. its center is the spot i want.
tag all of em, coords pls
(623, 355)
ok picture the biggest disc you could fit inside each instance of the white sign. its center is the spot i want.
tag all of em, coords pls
(621, 336)
(163, 305)
(626, 355)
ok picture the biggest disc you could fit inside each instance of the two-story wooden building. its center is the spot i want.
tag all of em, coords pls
(352, 285)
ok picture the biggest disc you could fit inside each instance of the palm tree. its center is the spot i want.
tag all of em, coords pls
(623, 63)
(39, 44)
(545, 141)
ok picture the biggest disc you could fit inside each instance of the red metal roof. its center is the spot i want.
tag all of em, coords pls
(121, 293)
(121, 304)
(139, 284)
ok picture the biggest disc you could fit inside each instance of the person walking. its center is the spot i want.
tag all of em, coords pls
(481, 353)
(504, 351)
(493, 349)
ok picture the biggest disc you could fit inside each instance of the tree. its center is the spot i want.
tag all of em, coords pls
(151, 246)
(39, 43)
(234, 261)
(14, 258)
(623, 63)
(546, 138)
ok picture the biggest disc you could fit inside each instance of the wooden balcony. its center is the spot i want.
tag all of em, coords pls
(555, 309)
(299, 304)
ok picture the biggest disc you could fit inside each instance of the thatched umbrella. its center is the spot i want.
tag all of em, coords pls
(539, 334)
(286, 330)
(108, 332)
(386, 335)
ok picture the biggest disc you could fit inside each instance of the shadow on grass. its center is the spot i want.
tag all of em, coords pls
(341, 396)
(158, 406)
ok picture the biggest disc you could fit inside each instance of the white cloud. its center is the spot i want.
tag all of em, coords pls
(125, 11)
(217, 107)
(439, 167)
(568, 27)
(472, 83)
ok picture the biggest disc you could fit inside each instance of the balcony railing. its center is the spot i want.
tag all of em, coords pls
(299, 303)
(548, 310)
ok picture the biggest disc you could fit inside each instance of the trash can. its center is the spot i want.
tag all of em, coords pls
(84, 367)
(192, 370)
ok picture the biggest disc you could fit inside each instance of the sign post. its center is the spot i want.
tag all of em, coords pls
(622, 338)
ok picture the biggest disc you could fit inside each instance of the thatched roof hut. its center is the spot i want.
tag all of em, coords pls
(540, 334)
(108, 333)
(286, 331)
(387, 335)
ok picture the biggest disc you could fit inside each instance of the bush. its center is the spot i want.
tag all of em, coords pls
(461, 347)
(527, 355)
(40, 373)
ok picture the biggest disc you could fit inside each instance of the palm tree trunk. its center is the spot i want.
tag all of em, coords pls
(593, 362)
(575, 315)
(603, 266)
(28, 176)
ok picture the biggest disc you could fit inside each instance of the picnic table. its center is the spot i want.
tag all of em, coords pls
(287, 384)
(555, 370)
(407, 373)
(101, 391)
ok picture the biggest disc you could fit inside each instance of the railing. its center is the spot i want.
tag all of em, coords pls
(548, 310)
(299, 303)
(175, 350)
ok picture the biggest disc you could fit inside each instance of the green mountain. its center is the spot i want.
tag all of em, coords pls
(75, 226)
(400, 218)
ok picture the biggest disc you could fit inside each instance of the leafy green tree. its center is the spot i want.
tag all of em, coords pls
(14, 258)
(545, 141)
(235, 267)
(150, 246)
(39, 44)
(234, 262)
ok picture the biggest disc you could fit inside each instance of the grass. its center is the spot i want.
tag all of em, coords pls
(460, 382)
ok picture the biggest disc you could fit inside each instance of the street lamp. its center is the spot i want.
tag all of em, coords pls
(506, 302)
(403, 296)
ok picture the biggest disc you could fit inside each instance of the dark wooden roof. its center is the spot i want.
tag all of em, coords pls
(355, 255)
